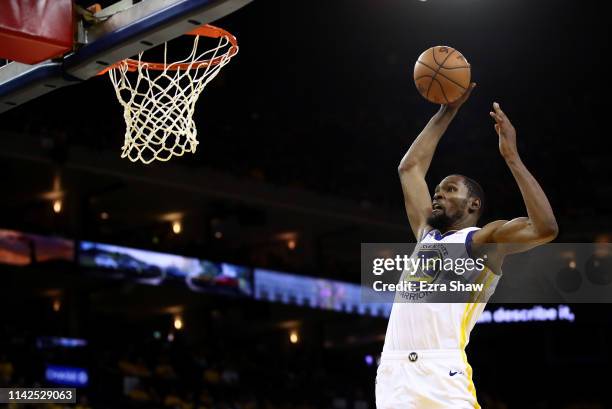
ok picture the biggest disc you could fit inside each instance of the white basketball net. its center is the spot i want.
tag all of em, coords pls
(159, 104)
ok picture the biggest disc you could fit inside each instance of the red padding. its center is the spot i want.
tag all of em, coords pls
(32, 31)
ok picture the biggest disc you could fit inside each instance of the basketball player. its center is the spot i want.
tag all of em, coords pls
(423, 363)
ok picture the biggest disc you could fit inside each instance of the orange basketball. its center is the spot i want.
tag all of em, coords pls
(442, 74)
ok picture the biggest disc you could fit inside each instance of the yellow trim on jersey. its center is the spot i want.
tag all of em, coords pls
(468, 314)
(479, 280)
(471, 387)
(492, 277)
(486, 272)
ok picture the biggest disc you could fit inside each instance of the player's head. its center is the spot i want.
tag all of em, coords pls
(457, 200)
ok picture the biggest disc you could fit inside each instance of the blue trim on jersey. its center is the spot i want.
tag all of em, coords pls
(439, 236)
(468, 243)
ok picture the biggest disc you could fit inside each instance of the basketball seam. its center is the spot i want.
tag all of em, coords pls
(423, 76)
(456, 68)
(442, 75)
(441, 89)
(452, 68)
(433, 52)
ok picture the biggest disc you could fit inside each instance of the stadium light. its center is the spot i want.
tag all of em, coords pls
(57, 206)
(175, 219)
(178, 323)
(293, 337)
(57, 305)
(177, 227)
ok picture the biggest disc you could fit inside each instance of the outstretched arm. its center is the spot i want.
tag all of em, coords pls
(416, 161)
(522, 233)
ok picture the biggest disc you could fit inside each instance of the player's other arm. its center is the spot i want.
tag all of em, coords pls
(415, 163)
(540, 225)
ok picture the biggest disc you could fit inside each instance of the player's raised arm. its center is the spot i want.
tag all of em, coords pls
(540, 225)
(416, 161)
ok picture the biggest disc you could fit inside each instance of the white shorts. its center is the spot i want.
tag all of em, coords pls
(425, 379)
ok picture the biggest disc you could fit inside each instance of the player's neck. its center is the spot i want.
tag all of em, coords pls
(458, 225)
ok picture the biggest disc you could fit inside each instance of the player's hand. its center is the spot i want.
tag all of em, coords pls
(464, 97)
(506, 132)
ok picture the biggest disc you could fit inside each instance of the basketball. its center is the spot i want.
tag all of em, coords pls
(442, 74)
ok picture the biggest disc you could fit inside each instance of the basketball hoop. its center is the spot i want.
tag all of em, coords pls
(159, 98)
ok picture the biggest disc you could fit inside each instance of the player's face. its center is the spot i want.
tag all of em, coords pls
(449, 202)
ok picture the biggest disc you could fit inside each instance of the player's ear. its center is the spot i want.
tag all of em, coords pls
(474, 205)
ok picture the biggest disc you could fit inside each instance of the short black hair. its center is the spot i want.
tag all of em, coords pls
(475, 190)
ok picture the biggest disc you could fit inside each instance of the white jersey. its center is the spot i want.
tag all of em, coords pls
(423, 326)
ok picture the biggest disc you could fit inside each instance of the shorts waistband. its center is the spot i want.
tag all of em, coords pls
(409, 355)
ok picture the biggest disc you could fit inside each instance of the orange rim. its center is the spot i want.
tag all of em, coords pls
(204, 31)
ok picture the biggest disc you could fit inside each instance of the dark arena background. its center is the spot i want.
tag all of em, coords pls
(246, 299)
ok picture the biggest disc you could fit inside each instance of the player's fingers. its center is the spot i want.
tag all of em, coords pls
(468, 91)
(498, 110)
(495, 116)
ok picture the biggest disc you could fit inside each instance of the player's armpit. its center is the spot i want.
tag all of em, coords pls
(417, 199)
(513, 236)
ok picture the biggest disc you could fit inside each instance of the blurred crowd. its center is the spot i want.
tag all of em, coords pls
(170, 373)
